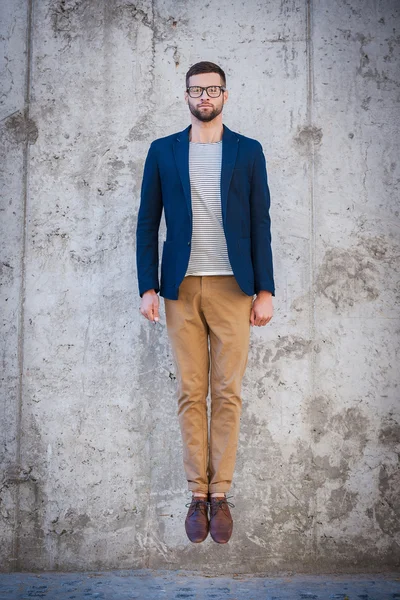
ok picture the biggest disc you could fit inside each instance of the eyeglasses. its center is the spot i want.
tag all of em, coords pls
(195, 91)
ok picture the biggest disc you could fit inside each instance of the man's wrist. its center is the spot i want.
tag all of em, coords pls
(264, 293)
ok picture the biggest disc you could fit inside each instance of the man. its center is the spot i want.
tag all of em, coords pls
(212, 184)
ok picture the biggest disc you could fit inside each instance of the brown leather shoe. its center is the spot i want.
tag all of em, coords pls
(196, 522)
(221, 523)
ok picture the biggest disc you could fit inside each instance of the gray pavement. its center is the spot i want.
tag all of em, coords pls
(155, 585)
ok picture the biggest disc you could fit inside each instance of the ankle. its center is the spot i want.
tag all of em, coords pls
(199, 494)
(217, 495)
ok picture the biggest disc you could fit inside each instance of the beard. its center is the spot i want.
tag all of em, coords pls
(206, 115)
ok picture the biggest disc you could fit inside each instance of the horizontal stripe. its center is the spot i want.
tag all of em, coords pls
(209, 253)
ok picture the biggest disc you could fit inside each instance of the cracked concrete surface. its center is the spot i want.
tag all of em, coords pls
(90, 455)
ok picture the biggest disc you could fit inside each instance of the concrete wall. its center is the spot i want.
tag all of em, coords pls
(90, 445)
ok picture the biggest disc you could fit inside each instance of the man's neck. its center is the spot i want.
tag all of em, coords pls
(206, 133)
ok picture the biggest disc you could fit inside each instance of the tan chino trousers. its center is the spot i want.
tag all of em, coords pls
(211, 310)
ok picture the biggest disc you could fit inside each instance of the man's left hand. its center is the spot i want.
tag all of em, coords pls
(262, 309)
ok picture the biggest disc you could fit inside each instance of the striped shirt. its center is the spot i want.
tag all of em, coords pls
(209, 253)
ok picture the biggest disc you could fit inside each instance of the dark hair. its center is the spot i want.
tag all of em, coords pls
(205, 67)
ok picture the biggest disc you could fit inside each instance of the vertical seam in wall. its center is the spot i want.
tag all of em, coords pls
(148, 539)
(21, 314)
(153, 44)
(312, 253)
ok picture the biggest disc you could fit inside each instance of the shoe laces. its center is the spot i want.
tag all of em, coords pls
(197, 503)
(219, 502)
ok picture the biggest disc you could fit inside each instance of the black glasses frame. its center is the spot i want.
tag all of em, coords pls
(221, 89)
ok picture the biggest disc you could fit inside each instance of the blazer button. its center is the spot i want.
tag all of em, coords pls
(188, 243)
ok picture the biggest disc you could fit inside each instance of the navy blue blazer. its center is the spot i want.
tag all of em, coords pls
(245, 203)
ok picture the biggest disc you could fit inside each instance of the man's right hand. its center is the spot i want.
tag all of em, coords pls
(149, 305)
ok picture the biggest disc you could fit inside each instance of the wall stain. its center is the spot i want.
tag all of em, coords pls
(387, 508)
(306, 137)
(318, 411)
(125, 13)
(21, 130)
(142, 129)
(163, 27)
(348, 277)
(6, 274)
(291, 346)
(351, 424)
(340, 503)
(389, 433)
(69, 18)
(367, 67)
(324, 470)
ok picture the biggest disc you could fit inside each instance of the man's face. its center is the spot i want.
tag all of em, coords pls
(205, 108)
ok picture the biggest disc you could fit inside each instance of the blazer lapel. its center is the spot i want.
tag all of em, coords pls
(181, 152)
(229, 152)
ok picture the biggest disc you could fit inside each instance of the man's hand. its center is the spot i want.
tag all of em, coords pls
(262, 309)
(149, 305)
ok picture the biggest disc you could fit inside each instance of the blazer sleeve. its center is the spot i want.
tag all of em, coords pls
(148, 222)
(261, 249)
